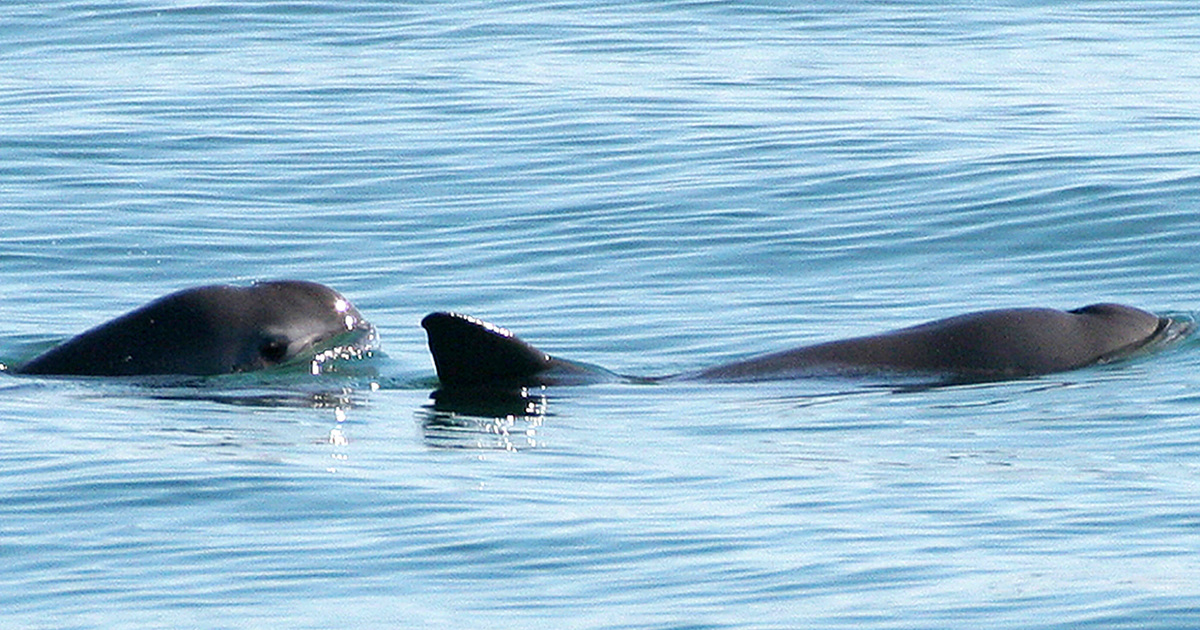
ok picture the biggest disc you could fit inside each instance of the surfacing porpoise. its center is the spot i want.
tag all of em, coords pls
(210, 330)
(975, 347)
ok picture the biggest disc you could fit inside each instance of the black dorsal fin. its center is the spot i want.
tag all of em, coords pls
(469, 351)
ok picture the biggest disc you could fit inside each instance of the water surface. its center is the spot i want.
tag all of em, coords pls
(653, 187)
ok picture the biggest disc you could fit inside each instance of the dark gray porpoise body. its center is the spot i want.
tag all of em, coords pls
(211, 330)
(988, 345)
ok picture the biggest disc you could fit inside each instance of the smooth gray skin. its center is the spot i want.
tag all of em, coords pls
(211, 330)
(983, 346)
(1008, 343)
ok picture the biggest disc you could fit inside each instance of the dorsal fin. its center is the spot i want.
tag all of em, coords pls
(469, 351)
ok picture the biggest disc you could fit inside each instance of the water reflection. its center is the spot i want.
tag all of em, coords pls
(337, 399)
(262, 424)
(483, 418)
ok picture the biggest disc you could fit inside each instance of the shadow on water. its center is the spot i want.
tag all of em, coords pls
(340, 384)
(333, 397)
(483, 418)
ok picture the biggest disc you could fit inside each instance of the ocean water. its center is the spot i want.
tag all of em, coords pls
(650, 186)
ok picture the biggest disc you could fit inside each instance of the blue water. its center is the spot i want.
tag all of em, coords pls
(650, 186)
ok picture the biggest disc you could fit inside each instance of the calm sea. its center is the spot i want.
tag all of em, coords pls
(650, 186)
